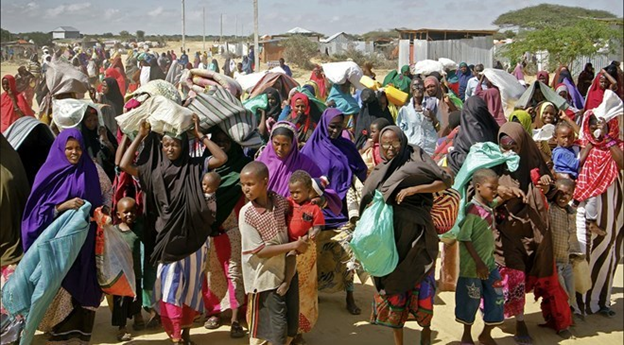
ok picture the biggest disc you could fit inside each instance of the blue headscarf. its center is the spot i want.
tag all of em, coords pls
(344, 101)
(463, 79)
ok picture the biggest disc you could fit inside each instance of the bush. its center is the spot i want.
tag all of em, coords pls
(378, 60)
(299, 50)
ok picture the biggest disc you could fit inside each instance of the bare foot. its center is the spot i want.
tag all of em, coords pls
(425, 336)
(486, 339)
(522, 336)
(282, 289)
(594, 228)
(351, 306)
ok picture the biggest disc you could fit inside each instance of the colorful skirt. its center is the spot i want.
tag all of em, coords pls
(178, 292)
(333, 255)
(514, 290)
(394, 310)
(223, 288)
(308, 289)
(7, 271)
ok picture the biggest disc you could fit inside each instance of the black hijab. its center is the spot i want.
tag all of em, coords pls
(174, 202)
(114, 96)
(370, 111)
(155, 71)
(273, 111)
(477, 125)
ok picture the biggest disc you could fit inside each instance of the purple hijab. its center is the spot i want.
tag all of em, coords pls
(340, 160)
(577, 99)
(56, 182)
(280, 169)
(517, 72)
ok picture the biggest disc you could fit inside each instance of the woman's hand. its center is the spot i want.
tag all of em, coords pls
(196, 131)
(546, 180)
(508, 193)
(144, 129)
(102, 132)
(71, 204)
(404, 193)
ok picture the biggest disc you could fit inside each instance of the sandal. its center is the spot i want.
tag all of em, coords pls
(607, 312)
(213, 322)
(523, 339)
(124, 337)
(354, 309)
(236, 331)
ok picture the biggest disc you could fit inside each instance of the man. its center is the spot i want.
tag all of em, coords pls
(474, 81)
(285, 67)
(464, 75)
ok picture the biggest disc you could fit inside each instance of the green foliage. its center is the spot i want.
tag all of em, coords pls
(124, 34)
(40, 38)
(299, 50)
(564, 44)
(379, 34)
(5, 35)
(140, 35)
(107, 35)
(546, 15)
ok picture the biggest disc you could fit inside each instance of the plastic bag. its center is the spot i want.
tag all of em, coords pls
(163, 114)
(340, 72)
(510, 89)
(426, 67)
(448, 64)
(113, 259)
(373, 240)
(582, 278)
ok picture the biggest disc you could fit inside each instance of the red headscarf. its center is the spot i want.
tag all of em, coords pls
(320, 82)
(8, 114)
(594, 95)
(600, 169)
(302, 122)
(545, 74)
(121, 81)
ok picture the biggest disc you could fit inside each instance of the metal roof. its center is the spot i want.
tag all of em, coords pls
(66, 29)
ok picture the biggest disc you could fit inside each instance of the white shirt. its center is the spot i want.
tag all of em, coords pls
(418, 128)
(472, 85)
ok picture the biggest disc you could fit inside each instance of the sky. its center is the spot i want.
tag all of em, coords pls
(275, 16)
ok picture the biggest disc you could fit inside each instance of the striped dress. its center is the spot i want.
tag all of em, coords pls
(602, 252)
(178, 292)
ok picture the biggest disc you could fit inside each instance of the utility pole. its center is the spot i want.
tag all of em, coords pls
(236, 28)
(204, 16)
(256, 50)
(221, 39)
(183, 29)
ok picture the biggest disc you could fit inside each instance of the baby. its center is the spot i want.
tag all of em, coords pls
(210, 183)
(370, 151)
(565, 155)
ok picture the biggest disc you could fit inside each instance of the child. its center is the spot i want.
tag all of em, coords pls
(478, 275)
(565, 244)
(210, 183)
(262, 222)
(370, 151)
(127, 307)
(564, 156)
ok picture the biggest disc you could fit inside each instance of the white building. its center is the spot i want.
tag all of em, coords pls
(341, 42)
(65, 32)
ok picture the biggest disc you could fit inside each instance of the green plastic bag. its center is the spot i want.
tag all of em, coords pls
(373, 240)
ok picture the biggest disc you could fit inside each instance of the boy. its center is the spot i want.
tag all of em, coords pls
(370, 151)
(264, 234)
(210, 184)
(125, 307)
(478, 275)
(563, 228)
(564, 156)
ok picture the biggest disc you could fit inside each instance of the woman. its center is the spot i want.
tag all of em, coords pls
(543, 77)
(563, 76)
(342, 163)
(492, 98)
(601, 177)
(318, 77)
(119, 77)
(196, 60)
(67, 179)
(602, 82)
(524, 250)
(585, 79)
(14, 104)
(26, 83)
(14, 190)
(463, 74)
(214, 66)
(407, 178)
(224, 281)
(400, 80)
(340, 97)
(112, 97)
(300, 117)
(523, 118)
(226, 67)
(370, 111)
(274, 101)
(155, 73)
(476, 126)
(247, 65)
(178, 213)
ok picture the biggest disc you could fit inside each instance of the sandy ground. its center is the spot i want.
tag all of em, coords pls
(337, 326)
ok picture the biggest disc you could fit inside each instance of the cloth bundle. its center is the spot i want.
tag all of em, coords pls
(341, 72)
(153, 88)
(113, 259)
(510, 89)
(279, 81)
(164, 115)
(448, 64)
(426, 67)
(220, 108)
(200, 80)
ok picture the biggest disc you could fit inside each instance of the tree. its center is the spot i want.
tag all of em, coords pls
(107, 35)
(40, 38)
(124, 34)
(546, 15)
(299, 50)
(5, 35)
(140, 35)
(565, 44)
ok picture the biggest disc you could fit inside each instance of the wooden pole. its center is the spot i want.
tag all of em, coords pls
(204, 17)
(256, 45)
(183, 29)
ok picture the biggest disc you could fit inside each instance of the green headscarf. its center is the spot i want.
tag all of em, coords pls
(524, 118)
(399, 81)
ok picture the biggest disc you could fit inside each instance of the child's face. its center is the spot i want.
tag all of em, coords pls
(565, 137)
(209, 184)
(564, 195)
(253, 186)
(299, 192)
(548, 115)
(126, 212)
(488, 190)
(374, 133)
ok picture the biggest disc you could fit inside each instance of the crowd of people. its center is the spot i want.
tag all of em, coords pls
(213, 226)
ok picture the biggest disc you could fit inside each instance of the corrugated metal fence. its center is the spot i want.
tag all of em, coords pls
(472, 51)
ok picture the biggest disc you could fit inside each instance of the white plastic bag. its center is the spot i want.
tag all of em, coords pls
(340, 72)
(510, 89)
(164, 116)
(448, 64)
(426, 67)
